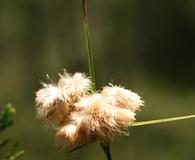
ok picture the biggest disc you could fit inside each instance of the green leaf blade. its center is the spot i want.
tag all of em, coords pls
(164, 120)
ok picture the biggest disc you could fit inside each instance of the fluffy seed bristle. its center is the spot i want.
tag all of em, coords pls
(74, 86)
(83, 117)
(68, 133)
(94, 113)
(99, 119)
(122, 98)
(47, 99)
(55, 102)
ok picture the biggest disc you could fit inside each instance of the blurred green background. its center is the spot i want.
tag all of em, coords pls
(147, 46)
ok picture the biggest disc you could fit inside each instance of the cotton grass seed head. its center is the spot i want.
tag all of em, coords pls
(74, 86)
(68, 134)
(82, 116)
(94, 114)
(104, 120)
(48, 99)
(97, 119)
(55, 102)
(122, 98)
(50, 104)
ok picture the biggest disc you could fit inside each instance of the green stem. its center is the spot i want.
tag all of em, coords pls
(106, 146)
(88, 46)
(106, 149)
(142, 123)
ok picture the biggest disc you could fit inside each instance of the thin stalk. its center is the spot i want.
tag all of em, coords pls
(105, 147)
(88, 45)
(142, 123)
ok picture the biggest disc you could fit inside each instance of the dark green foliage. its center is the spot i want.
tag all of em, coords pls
(6, 120)
(6, 117)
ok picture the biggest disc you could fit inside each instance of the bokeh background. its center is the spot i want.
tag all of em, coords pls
(146, 46)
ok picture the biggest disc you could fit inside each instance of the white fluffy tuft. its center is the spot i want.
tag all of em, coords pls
(74, 86)
(122, 98)
(82, 116)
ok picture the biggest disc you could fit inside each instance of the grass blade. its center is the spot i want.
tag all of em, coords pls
(164, 120)
(88, 46)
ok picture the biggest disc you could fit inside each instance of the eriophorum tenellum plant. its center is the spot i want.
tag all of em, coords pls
(81, 114)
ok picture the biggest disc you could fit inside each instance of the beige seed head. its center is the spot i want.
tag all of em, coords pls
(55, 102)
(97, 119)
(83, 117)
(68, 133)
(93, 113)
(122, 98)
(74, 86)
(47, 100)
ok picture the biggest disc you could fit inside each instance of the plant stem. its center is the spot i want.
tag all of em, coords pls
(105, 146)
(88, 45)
(142, 123)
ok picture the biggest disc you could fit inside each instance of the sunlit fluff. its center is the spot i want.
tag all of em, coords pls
(73, 86)
(48, 99)
(122, 98)
(54, 102)
(82, 116)
(94, 118)
(69, 134)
